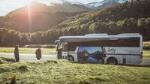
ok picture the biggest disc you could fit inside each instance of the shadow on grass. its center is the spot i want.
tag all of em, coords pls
(9, 64)
(6, 60)
(129, 65)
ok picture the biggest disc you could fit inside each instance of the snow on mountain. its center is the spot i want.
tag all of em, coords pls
(104, 3)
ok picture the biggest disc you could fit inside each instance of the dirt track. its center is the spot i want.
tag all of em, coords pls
(32, 57)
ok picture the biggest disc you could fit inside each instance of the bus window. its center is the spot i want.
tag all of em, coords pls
(122, 42)
(72, 46)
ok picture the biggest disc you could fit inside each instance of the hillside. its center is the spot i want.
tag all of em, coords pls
(42, 16)
(122, 18)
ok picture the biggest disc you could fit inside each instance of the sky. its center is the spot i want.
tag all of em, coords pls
(7, 6)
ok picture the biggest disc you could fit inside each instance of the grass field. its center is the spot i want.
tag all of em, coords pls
(147, 43)
(26, 50)
(64, 72)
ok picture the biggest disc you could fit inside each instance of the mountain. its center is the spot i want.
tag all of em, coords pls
(104, 3)
(42, 17)
(122, 18)
(69, 7)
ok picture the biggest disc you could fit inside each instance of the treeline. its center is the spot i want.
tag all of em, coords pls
(131, 25)
(11, 37)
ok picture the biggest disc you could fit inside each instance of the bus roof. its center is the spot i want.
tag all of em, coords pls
(93, 37)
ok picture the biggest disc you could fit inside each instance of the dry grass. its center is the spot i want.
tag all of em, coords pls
(64, 72)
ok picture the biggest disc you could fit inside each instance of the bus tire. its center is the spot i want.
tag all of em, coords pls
(112, 61)
(70, 58)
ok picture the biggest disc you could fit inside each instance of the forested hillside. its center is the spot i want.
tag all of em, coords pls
(123, 18)
(40, 17)
(129, 17)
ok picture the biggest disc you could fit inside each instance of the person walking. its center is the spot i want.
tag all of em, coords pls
(38, 53)
(16, 53)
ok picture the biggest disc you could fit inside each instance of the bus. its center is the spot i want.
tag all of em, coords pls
(126, 48)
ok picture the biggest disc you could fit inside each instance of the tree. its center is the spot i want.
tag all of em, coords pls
(92, 28)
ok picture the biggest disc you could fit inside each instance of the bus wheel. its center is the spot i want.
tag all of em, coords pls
(112, 61)
(70, 58)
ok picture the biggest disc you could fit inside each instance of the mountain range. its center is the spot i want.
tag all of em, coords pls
(51, 22)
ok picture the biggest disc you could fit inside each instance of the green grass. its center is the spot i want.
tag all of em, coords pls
(147, 49)
(26, 50)
(147, 45)
(146, 53)
(64, 72)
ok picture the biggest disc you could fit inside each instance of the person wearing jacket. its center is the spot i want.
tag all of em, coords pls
(38, 54)
(16, 53)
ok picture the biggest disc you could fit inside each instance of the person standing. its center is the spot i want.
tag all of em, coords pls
(38, 54)
(16, 53)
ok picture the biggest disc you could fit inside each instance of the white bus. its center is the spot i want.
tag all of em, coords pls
(126, 48)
